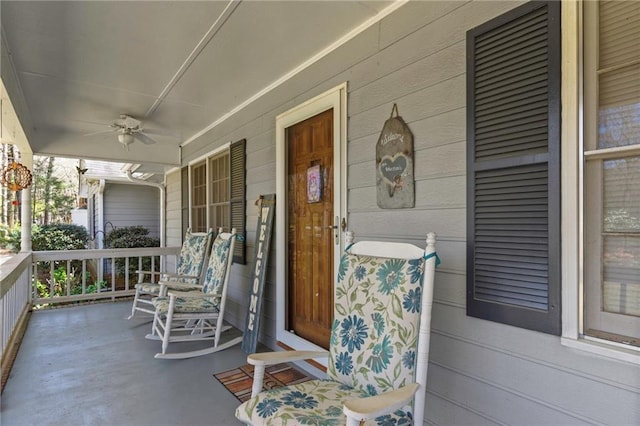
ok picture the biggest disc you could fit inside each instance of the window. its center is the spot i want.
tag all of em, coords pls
(218, 193)
(612, 171)
(513, 168)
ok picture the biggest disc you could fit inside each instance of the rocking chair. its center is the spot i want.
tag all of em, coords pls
(193, 315)
(193, 254)
(379, 346)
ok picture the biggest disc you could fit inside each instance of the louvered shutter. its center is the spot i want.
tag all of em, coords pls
(513, 168)
(238, 197)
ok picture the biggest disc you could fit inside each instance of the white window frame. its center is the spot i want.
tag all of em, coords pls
(206, 157)
(572, 195)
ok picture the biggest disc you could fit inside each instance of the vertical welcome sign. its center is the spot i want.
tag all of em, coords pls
(261, 256)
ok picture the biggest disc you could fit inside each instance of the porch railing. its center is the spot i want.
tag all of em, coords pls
(15, 291)
(83, 275)
(46, 278)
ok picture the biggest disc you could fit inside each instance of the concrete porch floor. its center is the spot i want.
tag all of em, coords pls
(89, 365)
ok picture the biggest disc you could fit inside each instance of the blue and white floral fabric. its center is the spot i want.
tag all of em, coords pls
(372, 349)
(217, 267)
(192, 255)
(190, 262)
(185, 305)
(213, 280)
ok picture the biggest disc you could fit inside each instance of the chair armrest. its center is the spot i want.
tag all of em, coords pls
(374, 406)
(178, 285)
(194, 294)
(270, 358)
(139, 271)
(261, 360)
(168, 274)
(182, 277)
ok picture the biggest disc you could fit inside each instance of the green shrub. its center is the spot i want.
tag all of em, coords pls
(130, 237)
(60, 236)
(10, 237)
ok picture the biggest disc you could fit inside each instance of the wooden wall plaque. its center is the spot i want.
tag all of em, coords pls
(394, 164)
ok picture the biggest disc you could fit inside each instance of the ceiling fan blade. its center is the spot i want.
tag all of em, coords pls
(101, 132)
(158, 132)
(144, 138)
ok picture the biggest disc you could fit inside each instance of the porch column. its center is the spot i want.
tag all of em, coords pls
(25, 207)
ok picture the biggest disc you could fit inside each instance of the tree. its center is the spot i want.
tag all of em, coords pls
(53, 193)
(47, 190)
(9, 211)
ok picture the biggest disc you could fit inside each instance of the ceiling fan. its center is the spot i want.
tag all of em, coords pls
(129, 130)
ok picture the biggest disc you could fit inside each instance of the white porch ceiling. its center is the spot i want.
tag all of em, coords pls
(72, 67)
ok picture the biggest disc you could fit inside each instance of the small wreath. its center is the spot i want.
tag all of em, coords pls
(16, 177)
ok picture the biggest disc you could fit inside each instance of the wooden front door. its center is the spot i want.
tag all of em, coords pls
(311, 228)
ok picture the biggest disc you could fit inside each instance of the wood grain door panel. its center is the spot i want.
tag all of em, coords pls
(311, 234)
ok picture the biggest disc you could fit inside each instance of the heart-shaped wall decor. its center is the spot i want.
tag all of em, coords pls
(393, 168)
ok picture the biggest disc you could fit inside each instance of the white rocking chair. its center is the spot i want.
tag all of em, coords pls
(190, 267)
(186, 316)
(379, 348)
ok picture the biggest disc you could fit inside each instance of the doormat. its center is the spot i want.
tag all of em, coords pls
(239, 380)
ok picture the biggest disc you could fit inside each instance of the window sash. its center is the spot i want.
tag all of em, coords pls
(218, 183)
(198, 197)
(611, 165)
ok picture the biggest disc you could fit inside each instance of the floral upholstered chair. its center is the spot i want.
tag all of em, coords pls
(190, 267)
(190, 315)
(377, 367)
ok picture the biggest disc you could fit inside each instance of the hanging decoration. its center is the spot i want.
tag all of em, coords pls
(16, 176)
(394, 164)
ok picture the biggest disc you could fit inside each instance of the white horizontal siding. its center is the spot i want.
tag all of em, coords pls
(480, 372)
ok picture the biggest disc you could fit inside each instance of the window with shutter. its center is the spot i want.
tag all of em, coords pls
(612, 171)
(513, 168)
(218, 194)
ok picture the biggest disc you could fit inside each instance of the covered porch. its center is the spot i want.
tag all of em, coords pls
(89, 365)
(528, 343)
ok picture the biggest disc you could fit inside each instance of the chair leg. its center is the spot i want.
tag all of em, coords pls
(155, 324)
(167, 325)
(135, 304)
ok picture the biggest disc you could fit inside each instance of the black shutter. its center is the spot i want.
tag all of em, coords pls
(238, 197)
(513, 168)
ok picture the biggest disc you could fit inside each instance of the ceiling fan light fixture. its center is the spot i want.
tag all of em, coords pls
(125, 138)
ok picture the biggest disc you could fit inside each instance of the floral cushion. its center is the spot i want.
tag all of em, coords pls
(217, 267)
(186, 305)
(152, 288)
(149, 288)
(376, 322)
(214, 277)
(192, 255)
(189, 264)
(316, 402)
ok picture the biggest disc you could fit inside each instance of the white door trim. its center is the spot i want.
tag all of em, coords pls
(335, 98)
